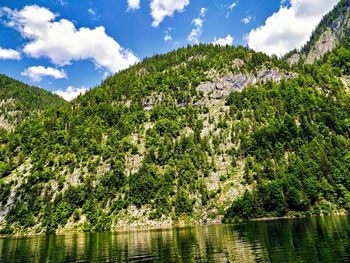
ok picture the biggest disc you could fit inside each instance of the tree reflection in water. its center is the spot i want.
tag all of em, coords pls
(324, 239)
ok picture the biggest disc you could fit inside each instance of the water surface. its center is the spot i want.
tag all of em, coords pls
(323, 239)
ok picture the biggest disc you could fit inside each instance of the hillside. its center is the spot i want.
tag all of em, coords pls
(199, 135)
(332, 31)
(19, 101)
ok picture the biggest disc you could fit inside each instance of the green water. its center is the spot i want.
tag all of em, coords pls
(325, 239)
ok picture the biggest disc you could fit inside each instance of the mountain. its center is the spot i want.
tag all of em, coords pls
(202, 134)
(19, 101)
(332, 31)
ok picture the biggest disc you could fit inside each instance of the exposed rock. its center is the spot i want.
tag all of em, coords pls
(326, 43)
(133, 163)
(142, 72)
(196, 57)
(149, 101)
(3, 214)
(7, 102)
(237, 62)
(18, 176)
(346, 82)
(5, 124)
(332, 30)
(221, 87)
(236, 82)
(294, 59)
(133, 218)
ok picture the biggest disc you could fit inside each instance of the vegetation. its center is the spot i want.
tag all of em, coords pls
(297, 152)
(20, 101)
(149, 146)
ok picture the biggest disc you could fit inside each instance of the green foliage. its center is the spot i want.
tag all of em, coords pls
(332, 21)
(24, 100)
(137, 141)
(298, 151)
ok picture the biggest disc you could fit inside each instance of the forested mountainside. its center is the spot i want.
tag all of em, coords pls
(201, 134)
(332, 31)
(19, 101)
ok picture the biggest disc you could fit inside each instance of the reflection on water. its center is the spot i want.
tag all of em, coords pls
(325, 239)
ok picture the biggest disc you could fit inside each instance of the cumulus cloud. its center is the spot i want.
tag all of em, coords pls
(290, 27)
(70, 93)
(198, 26)
(62, 42)
(228, 40)
(133, 4)
(163, 8)
(9, 54)
(36, 73)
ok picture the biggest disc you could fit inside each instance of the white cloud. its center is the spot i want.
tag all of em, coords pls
(37, 72)
(62, 42)
(230, 9)
(92, 12)
(203, 12)
(247, 20)
(167, 37)
(9, 54)
(228, 40)
(163, 8)
(60, 2)
(133, 4)
(290, 27)
(70, 93)
(167, 34)
(198, 26)
(233, 5)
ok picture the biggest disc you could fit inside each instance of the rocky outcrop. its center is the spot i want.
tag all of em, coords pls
(5, 124)
(346, 82)
(222, 87)
(326, 43)
(294, 59)
(332, 30)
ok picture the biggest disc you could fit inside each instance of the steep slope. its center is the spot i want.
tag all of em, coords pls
(202, 134)
(19, 101)
(332, 31)
(150, 145)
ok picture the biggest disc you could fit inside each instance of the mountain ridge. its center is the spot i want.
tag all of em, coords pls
(19, 101)
(332, 30)
(202, 134)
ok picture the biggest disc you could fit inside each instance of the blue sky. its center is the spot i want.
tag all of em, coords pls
(68, 46)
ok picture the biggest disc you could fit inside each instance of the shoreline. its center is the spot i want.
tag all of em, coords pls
(140, 228)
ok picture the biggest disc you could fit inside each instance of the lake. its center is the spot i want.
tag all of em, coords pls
(321, 239)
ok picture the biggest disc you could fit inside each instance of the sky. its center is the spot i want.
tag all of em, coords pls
(69, 46)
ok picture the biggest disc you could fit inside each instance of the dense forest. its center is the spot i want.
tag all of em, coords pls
(201, 134)
(297, 156)
(20, 101)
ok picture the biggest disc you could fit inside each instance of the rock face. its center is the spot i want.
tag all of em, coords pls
(221, 88)
(346, 82)
(294, 59)
(326, 43)
(333, 28)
